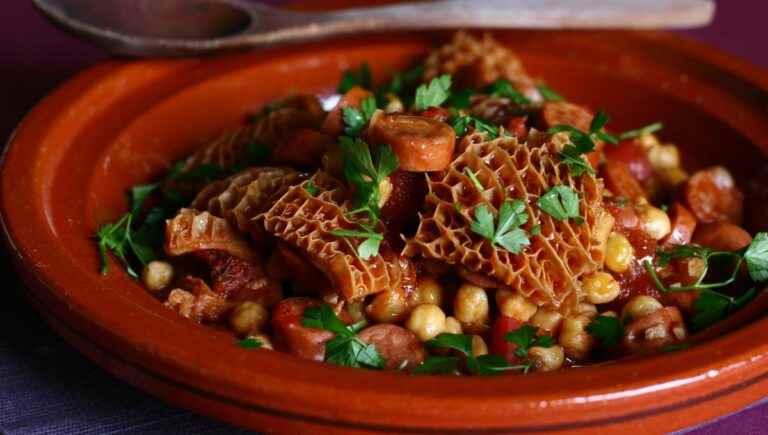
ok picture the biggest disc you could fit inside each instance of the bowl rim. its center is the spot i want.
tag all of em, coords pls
(716, 376)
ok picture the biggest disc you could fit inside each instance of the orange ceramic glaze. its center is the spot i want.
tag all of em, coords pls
(121, 123)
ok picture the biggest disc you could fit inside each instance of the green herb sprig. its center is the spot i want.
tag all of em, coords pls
(607, 330)
(525, 338)
(345, 348)
(433, 94)
(355, 77)
(506, 232)
(355, 119)
(583, 142)
(503, 88)
(480, 365)
(562, 203)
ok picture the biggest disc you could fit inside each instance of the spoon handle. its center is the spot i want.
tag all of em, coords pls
(526, 14)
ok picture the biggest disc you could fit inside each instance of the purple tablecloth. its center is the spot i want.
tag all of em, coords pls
(46, 387)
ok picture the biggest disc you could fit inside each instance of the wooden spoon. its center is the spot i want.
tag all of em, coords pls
(190, 27)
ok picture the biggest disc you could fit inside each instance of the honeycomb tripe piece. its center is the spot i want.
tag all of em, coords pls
(192, 230)
(478, 62)
(241, 147)
(241, 197)
(549, 270)
(305, 222)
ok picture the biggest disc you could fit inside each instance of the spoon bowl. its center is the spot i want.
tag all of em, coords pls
(192, 27)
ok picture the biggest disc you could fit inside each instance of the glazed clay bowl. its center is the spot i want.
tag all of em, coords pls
(121, 123)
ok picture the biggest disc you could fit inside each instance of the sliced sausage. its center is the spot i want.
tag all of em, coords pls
(683, 225)
(291, 336)
(303, 147)
(399, 347)
(633, 156)
(619, 180)
(436, 113)
(561, 112)
(655, 330)
(334, 121)
(712, 195)
(624, 214)
(722, 236)
(421, 144)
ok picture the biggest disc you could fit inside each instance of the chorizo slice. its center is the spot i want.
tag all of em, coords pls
(399, 347)
(711, 195)
(619, 180)
(633, 156)
(722, 236)
(683, 225)
(334, 121)
(624, 214)
(291, 336)
(561, 112)
(421, 144)
(655, 330)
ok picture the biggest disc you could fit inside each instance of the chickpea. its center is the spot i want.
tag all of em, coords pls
(385, 191)
(640, 306)
(574, 337)
(452, 325)
(428, 291)
(610, 313)
(478, 346)
(601, 288)
(387, 307)
(513, 304)
(266, 343)
(649, 141)
(470, 307)
(655, 222)
(618, 253)
(157, 275)
(672, 176)
(426, 321)
(664, 157)
(248, 318)
(586, 309)
(394, 105)
(546, 359)
(547, 320)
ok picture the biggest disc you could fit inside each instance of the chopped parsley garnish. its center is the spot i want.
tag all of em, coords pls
(525, 338)
(460, 99)
(139, 194)
(583, 143)
(535, 230)
(355, 119)
(562, 203)
(461, 123)
(548, 94)
(503, 88)
(607, 330)
(365, 176)
(345, 348)
(118, 238)
(250, 343)
(479, 365)
(311, 189)
(355, 77)
(473, 179)
(712, 306)
(648, 129)
(370, 246)
(433, 94)
(507, 232)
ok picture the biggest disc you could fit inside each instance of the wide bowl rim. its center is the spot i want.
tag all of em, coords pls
(709, 373)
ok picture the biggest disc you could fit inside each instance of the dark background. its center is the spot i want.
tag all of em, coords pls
(46, 387)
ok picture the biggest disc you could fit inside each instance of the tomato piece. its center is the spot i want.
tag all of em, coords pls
(619, 180)
(711, 194)
(633, 156)
(499, 344)
(624, 214)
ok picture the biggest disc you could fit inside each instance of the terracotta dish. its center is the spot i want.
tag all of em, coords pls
(123, 123)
